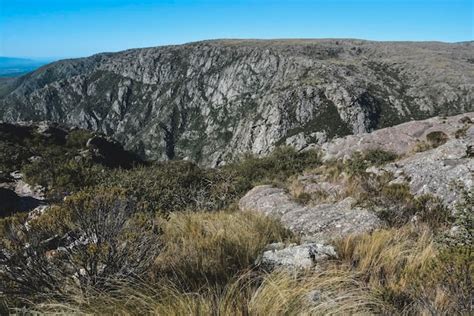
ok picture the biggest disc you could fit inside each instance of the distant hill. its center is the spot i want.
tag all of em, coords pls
(14, 67)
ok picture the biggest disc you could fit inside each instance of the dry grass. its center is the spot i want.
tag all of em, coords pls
(404, 269)
(392, 271)
(280, 293)
(210, 248)
(421, 146)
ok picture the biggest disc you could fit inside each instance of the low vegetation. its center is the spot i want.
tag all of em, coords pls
(390, 271)
(166, 239)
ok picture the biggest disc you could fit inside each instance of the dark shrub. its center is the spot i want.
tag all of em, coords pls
(106, 240)
(437, 138)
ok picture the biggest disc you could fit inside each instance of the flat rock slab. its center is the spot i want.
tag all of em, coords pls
(323, 222)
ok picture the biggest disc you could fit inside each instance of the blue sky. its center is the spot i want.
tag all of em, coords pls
(73, 28)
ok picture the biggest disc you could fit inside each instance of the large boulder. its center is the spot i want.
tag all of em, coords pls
(322, 222)
(9, 202)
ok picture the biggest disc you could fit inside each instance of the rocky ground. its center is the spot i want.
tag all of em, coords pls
(442, 168)
(319, 231)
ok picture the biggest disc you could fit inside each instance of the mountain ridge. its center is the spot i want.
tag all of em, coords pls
(211, 101)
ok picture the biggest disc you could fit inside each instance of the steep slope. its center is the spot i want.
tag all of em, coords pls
(213, 100)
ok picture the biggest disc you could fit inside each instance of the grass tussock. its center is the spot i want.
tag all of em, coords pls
(210, 248)
(409, 273)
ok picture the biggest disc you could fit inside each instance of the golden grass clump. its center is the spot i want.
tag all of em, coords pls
(210, 247)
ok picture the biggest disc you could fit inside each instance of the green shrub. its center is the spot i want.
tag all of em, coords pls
(12, 156)
(164, 187)
(444, 284)
(396, 205)
(379, 157)
(78, 138)
(62, 176)
(465, 120)
(360, 161)
(421, 146)
(181, 185)
(277, 167)
(461, 132)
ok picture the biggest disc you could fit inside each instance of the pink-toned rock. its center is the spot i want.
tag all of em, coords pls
(400, 139)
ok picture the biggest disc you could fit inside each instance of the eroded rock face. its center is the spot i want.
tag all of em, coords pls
(322, 222)
(214, 100)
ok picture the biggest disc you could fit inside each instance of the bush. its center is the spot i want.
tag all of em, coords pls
(421, 146)
(397, 206)
(12, 156)
(360, 161)
(62, 176)
(437, 138)
(446, 281)
(78, 138)
(165, 187)
(460, 133)
(106, 240)
(277, 167)
(181, 185)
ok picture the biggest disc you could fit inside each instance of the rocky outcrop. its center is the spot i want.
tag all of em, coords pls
(323, 222)
(110, 153)
(28, 140)
(445, 171)
(436, 157)
(401, 139)
(294, 256)
(18, 196)
(211, 101)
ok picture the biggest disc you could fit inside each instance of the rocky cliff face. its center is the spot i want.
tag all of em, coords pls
(211, 101)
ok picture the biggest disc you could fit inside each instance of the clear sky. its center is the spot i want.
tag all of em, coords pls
(72, 28)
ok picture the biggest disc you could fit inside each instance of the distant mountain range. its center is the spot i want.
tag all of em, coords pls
(14, 67)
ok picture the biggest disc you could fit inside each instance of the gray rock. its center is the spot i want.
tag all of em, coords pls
(322, 222)
(295, 256)
(443, 172)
